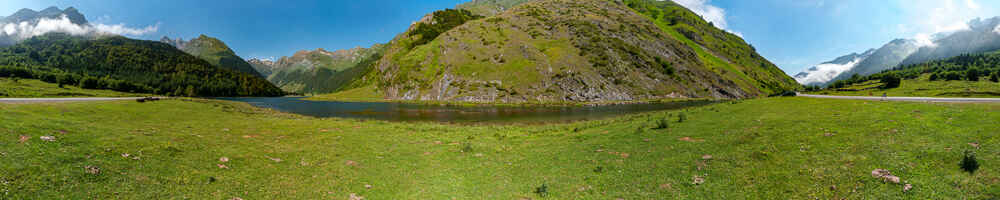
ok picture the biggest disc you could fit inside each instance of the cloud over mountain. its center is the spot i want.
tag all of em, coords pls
(28, 23)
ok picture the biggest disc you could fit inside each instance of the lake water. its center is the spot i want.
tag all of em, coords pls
(460, 114)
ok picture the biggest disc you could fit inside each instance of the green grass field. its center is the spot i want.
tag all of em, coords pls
(922, 87)
(775, 148)
(34, 88)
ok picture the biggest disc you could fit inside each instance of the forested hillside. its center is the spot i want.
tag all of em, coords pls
(128, 65)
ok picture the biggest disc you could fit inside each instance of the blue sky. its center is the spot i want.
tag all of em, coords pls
(257, 28)
(795, 34)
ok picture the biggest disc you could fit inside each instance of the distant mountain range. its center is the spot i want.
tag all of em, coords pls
(982, 36)
(319, 71)
(214, 51)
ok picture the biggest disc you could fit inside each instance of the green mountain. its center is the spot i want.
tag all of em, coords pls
(572, 50)
(214, 51)
(319, 71)
(123, 64)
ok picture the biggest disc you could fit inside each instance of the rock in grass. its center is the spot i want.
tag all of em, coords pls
(92, 169)
(356, 197)
(223, 159)
(885, 175)
(698, 180)
(907, 187)
(48, 138)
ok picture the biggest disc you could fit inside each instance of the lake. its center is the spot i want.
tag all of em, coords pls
(461, 114)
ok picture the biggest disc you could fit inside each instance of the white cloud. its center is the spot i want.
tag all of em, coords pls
(932, 18)
(120, 29)
(924, 40)
(972, 4)
(997, 29)
(707, 11)
(25, 30)
(823, 73)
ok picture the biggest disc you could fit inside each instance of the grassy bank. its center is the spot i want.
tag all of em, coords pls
(776, 148)
(34, 88)
(369, 94)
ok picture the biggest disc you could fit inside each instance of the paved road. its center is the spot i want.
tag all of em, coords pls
(46, 100)
(922, 99)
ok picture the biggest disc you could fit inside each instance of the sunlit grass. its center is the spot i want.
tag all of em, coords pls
(777, 148)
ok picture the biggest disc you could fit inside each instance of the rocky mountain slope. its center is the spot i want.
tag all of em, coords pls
(572, 50)
(214, 51)
(262, 66)
(982, 36)
(319, 71)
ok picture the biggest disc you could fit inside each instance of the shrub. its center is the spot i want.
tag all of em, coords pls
(681, 118)
(467, 148)
(662, 124)
(543, 190)
(972, 74)
(890, 81)
(89, 83)
(969, 162)
(995, 77)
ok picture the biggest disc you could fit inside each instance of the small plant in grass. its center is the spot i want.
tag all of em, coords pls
(467, 148)
(681, 118)
(969, 162)
(662, 124)
(599, 169)
(542, 191)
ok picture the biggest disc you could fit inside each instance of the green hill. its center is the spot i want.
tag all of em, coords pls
(214, 51)
(971, 75)
(572, 51)
(320, 71)
(128, 65)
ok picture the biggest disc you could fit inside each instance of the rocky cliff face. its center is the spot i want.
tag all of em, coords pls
(554, 51)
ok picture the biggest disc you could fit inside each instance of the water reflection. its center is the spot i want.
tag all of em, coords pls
(461, 114)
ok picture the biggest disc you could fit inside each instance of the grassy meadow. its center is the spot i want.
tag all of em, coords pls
(34, 88)
(774, 148)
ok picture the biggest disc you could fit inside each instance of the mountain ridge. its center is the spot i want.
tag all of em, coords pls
(214, 51)
(980, 37)
(538, 52)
